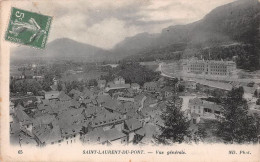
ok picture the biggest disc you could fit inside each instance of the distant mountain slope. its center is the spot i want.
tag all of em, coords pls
(133, 45)
(63, 48)
(233, 22)
(227, 31)
(237, 22)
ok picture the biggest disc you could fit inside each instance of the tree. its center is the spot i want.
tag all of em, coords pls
(181, 88)
(258, 101)
(218, 93)
(200, 134)
(92, 82)
(78, 85)
(176, 125)
(171, 82)
(255, 93)
(59, 86)
(24, 86)
(48, 81)
(236, 126)
(133, 72)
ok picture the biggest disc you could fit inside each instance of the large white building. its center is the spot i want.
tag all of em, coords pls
(209, 68)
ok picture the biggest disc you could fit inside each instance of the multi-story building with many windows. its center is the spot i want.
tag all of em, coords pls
(211, 68)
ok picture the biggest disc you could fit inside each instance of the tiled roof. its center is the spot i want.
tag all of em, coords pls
(139, 98)
(23, 117)
(101, 111)
(140, 132)
(45, 102)
(19, 107)
(86, 101)
(112, 104)
(71, 121)
(87, 93)
(103, 98)
(94, 135)
(196, 101)
(98, 135)
(205, 104)
(15, 128)
(70, 114)
(111, 135)
(26, 132)
(43, 107)
(45, 119)
(59, 106)
(90, 110)
(75, 103)
(133, 124)
(63, 97)
(70, 130)
(46, 134)
(75, 92)
(135, 85)
(107, 119)
(52, 94)
(25, 140)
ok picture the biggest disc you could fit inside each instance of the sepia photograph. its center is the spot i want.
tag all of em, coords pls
(131, 74)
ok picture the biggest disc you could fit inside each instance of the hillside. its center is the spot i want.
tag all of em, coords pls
(236, 24)
(62, 49)
(231, 31)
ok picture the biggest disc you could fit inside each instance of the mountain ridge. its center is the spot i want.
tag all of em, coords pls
(235, 22)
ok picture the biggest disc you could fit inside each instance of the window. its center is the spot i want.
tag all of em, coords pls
(217, 112)
(207, 110)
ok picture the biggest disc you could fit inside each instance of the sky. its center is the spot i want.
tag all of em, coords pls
(104, 23)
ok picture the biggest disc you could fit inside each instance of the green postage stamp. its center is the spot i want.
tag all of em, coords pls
(28, 28)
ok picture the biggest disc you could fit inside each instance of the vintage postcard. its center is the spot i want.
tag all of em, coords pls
(130, 80)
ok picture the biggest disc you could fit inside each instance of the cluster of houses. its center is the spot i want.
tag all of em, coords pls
(109, 113)
(112, 112)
